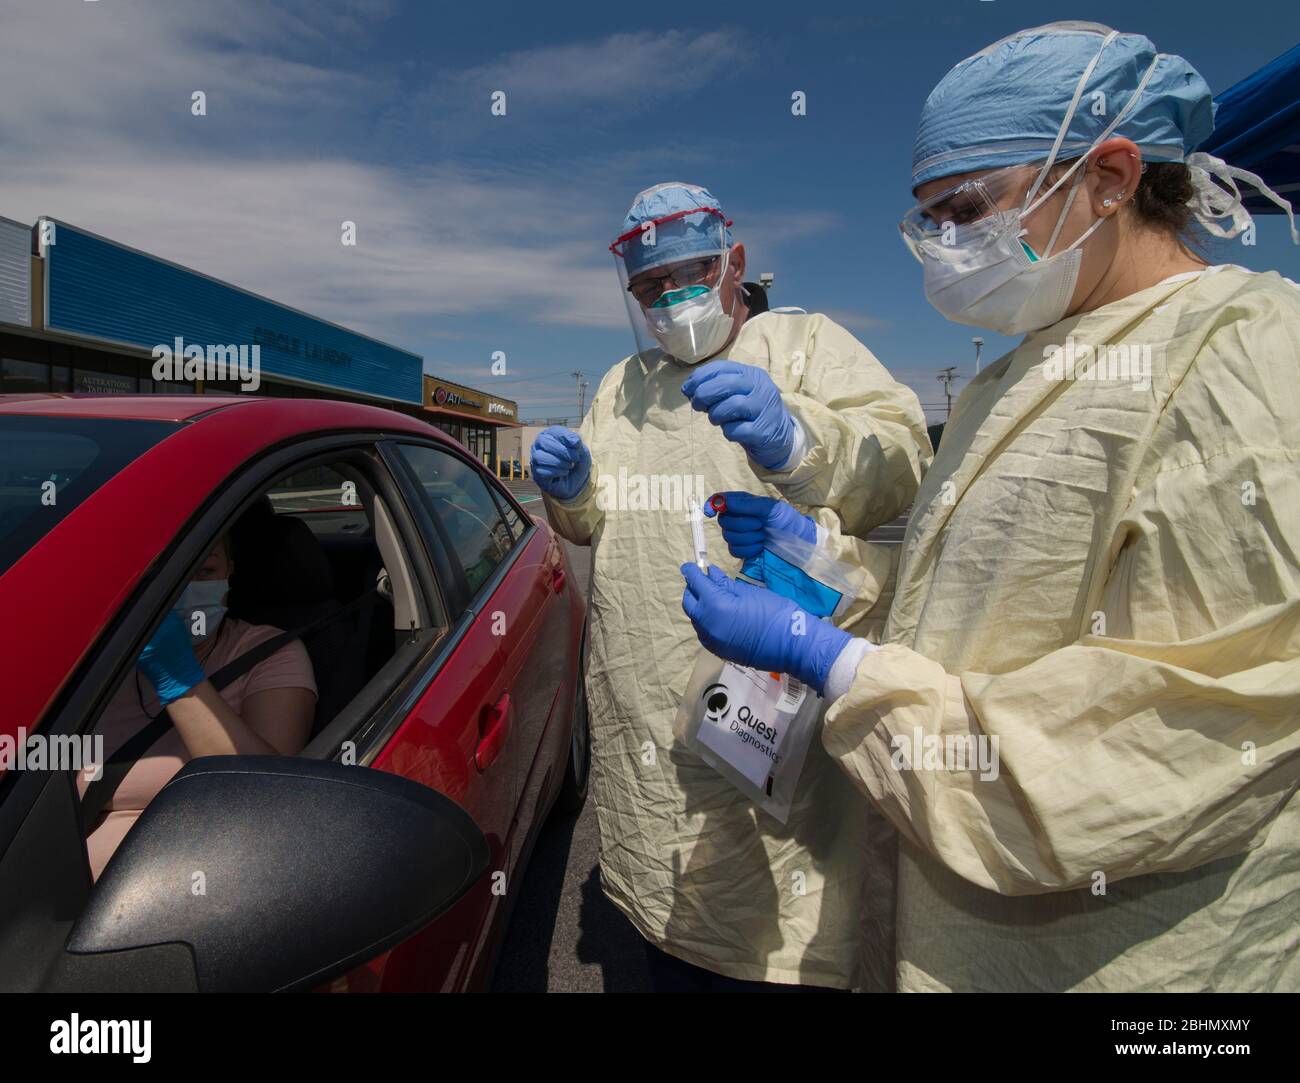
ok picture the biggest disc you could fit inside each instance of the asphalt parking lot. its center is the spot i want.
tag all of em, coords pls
(565, 936)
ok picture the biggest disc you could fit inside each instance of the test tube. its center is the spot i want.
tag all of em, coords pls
(697, 535)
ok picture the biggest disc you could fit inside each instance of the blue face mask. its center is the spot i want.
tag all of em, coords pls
(791, 582)
(202, 596)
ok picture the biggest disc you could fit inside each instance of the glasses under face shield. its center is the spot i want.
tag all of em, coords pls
(957, 220)
(653, 288)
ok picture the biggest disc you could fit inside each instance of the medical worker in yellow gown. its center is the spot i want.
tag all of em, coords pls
(1079, 727)
(722, 893)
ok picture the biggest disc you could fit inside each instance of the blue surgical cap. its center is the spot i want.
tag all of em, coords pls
(1005, 105)
(691, 236)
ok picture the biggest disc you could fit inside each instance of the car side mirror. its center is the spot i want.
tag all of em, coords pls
(277, 873)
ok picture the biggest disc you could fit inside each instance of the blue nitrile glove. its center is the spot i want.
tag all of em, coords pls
(561, 462)
(168, 660)
(755, 627)
(747, 404)
(748, 521)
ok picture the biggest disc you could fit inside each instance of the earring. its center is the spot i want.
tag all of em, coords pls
(1107, 202)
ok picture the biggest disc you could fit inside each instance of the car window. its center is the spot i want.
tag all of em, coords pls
(514, 520)
(322, 498)
(51, 464)
(459, 499)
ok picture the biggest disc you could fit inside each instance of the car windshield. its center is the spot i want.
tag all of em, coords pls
(49, 465)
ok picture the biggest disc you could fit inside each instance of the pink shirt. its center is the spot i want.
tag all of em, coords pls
(289, 667)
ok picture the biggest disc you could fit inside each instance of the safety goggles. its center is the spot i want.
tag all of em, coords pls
(950, 221)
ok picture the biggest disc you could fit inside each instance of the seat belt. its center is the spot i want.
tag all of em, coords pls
(100, 792)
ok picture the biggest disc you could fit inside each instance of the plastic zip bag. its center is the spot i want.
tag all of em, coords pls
(751, 726)
(806, 574)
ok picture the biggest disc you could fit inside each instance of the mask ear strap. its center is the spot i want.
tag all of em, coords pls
(1128, 105)
(1069, 116)
(722, 274)
(1060, 221)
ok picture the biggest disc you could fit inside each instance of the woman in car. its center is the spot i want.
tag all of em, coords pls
(267, 711)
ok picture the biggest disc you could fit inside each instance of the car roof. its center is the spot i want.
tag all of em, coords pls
(139, 407)
(192, 407)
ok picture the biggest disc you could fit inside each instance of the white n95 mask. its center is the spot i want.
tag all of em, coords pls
(693, 327)
(1002, 285)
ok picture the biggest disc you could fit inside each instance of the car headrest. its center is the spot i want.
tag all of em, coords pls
(278, 561)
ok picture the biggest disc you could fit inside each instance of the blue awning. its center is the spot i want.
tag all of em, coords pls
(1257, 127)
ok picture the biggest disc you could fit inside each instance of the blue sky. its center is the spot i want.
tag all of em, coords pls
(478, 233)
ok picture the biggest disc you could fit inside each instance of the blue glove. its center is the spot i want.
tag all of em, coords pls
(561, 462)
(748, 521)
(755, 627)
(168, 660)
(747, 404)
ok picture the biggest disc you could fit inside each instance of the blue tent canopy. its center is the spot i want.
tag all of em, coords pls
(1257, 127)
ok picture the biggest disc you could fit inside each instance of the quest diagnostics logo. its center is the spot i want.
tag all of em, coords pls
(184, 362)
(717, 702)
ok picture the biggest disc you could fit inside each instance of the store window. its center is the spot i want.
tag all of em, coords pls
(479, 441)
(451, 428)
(103, 383)
(23, 377)
(221, 387)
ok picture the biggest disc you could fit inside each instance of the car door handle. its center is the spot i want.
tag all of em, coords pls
(494, 729)
(557, 580)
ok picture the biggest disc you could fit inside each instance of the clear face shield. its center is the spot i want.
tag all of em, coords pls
(671, 272)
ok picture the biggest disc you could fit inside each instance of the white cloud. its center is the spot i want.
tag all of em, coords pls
(638, 71)
(431, 242)
(98, 132)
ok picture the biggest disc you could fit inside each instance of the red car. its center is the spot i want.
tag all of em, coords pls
(446, 635)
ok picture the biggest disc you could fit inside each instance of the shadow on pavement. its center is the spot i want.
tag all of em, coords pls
(565, 936)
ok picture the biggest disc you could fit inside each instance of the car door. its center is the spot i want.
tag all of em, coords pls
(510, 594)
(494, 694)
(44, 875)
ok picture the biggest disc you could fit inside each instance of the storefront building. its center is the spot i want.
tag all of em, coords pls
(80, 313)
(473, 417)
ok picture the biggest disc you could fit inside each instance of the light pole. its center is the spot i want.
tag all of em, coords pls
(979, 345)
(582, 392)
(946, 378)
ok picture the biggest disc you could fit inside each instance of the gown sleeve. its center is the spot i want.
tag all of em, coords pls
(1168, 743)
